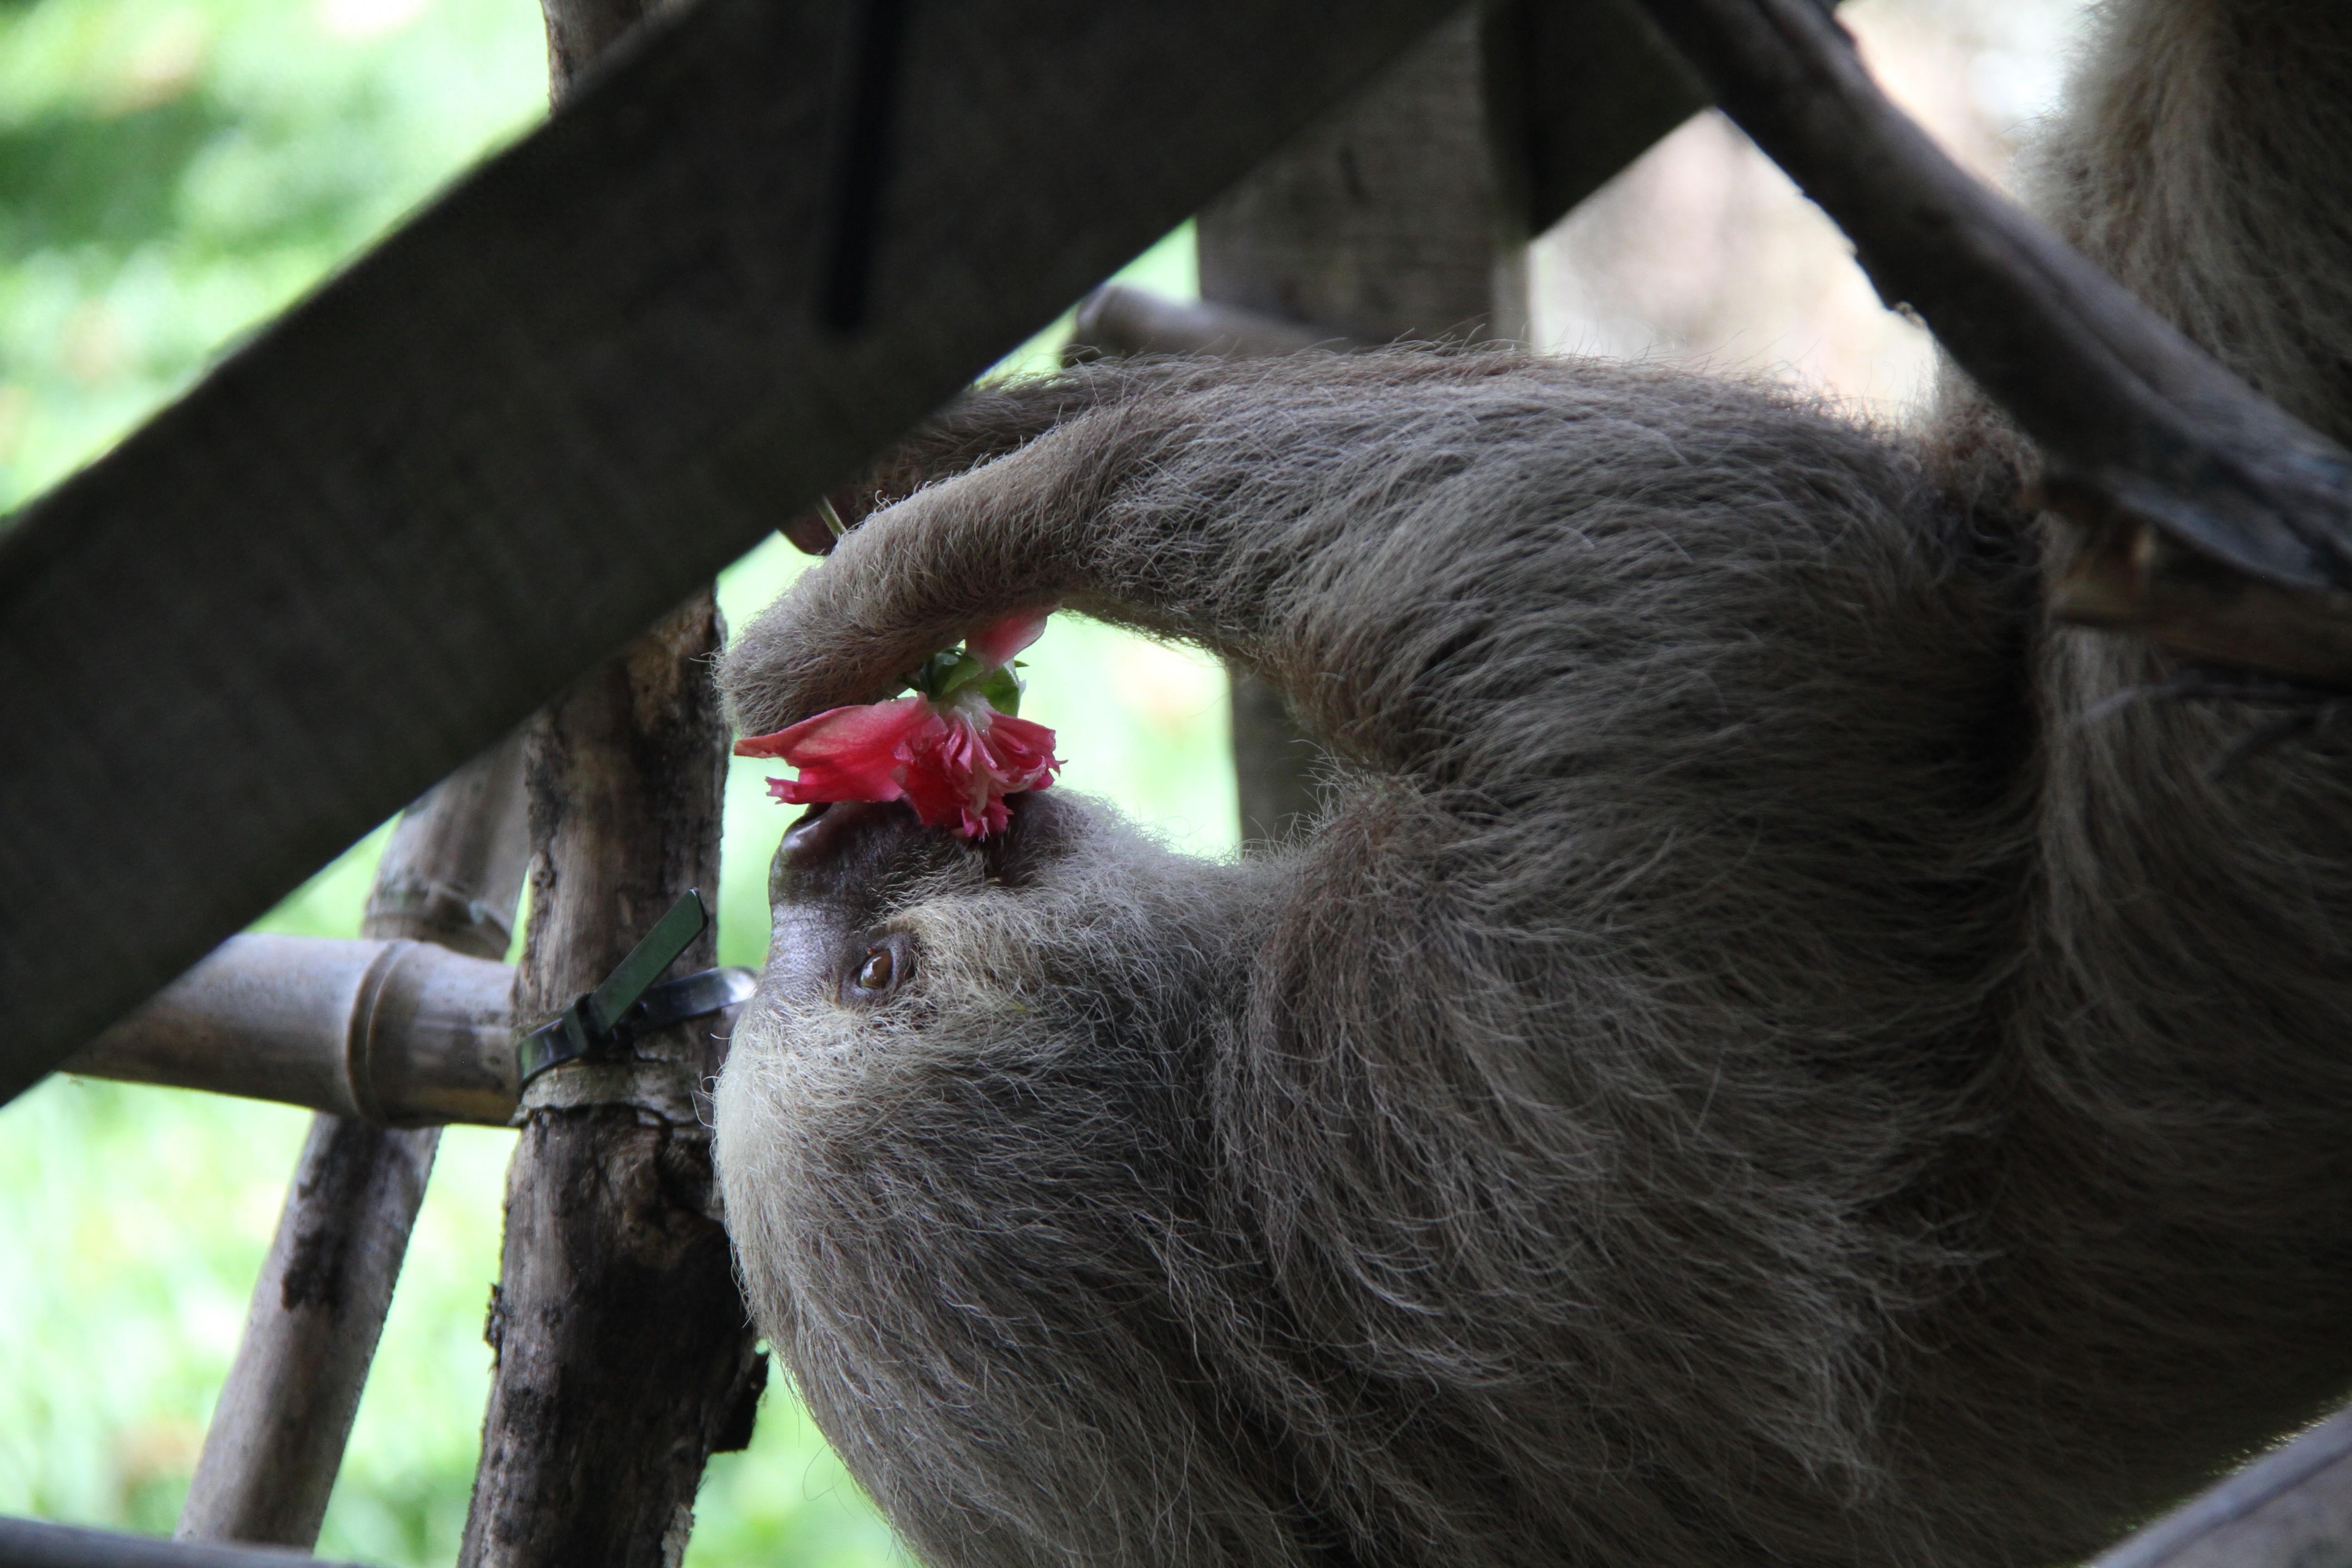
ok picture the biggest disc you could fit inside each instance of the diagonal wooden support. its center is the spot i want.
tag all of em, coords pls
(478, 459)
(451, 875)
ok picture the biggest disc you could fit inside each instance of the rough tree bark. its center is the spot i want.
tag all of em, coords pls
(451, 875)
(624, 1356)
(1401, 216)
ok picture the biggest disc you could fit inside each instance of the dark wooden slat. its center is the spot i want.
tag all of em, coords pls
(1600, 86)
(517, 432)
(35, 1544)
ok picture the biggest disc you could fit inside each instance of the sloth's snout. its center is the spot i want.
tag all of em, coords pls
(839, 852)
(843, 836)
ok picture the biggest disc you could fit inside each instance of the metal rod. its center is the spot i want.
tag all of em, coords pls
(1118, 320)
(2290, 1509)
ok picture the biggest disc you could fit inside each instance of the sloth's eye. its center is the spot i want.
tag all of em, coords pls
(876, 967)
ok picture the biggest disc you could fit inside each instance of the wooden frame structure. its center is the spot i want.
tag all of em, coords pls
(757, 241)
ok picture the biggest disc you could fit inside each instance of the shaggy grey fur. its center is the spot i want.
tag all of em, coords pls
(1743, 1073)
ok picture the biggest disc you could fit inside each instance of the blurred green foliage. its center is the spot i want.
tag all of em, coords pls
(173, 172)
(171, 175)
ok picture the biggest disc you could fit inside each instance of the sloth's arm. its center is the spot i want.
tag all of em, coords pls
(1413, 545)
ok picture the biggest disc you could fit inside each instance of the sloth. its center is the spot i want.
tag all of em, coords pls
(1773, 1051)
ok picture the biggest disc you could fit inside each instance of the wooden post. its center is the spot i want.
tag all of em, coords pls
(451, 875)
(624, 1355)
(1404, 216)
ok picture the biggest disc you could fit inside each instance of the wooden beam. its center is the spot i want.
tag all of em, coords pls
(479, 458)
(623, 1355)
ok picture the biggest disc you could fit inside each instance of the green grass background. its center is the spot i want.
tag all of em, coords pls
(171, 175)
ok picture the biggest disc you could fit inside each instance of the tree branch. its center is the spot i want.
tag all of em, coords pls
(2212, 521)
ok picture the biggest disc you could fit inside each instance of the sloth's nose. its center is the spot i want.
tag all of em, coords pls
(836, 846)
(828, 830)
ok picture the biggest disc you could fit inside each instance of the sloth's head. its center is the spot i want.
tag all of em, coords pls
(975, 1076)
(885, 930)
(924, 994)
(887, 935)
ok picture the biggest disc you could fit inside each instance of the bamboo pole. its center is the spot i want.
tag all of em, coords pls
(396, 1034)
(450, 876)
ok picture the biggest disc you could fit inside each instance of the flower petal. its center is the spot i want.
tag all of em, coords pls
(1022, 753)
(958, 776)
(954, 763)
(996, 643)
(859, 726)
(936, 793)
(847, 753)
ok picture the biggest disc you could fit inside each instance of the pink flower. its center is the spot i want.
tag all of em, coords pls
(952, 756)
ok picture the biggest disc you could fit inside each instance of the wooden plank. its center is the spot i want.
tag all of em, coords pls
(450, 877)
(1403, 216)
(1600, 86)
(477, 460)
(2290, 1509)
